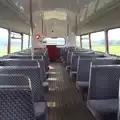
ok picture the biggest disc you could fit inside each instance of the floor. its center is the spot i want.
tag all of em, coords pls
(64, 101)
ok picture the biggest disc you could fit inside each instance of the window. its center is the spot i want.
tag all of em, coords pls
(98, 41)
(16, 41)
(25, 41)
(3, 41)
(114, 41)
(85, 41)
(78, 41)
(54, 41)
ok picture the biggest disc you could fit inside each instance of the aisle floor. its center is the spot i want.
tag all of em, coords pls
(64, 101)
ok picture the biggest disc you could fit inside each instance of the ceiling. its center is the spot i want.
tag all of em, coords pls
(53, 11)
(42, 5)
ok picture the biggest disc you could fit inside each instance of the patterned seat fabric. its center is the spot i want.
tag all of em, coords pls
(18, 62)
(104, 109)
(74, 63)
(41, 111)
(104, 82)
(16, 103)
(14, 79)
(42, 70)
(69, 58)
(24, 57)
(33, 73)
(26, 62)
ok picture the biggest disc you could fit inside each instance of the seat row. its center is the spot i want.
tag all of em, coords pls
(22, 83)
(97, 78)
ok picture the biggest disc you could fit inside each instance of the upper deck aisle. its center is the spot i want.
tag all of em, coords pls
(65, 102)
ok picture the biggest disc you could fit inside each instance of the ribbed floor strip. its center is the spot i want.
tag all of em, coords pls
(64, 100)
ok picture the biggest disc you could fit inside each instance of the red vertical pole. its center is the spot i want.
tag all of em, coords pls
(90, 45)
(107, 41)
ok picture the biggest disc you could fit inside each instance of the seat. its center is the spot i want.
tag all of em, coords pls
(37, 57)
(16, 102)
(82, 84)
(104, 109)
(18, 62)
(103, 91)
(34, 74)
(26, 62)
(82, 79)
(41, 111)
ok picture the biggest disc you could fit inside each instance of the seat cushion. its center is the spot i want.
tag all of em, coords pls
(104, 109)
(41, 111)
(81, 84)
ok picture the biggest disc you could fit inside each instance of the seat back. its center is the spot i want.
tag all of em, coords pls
(26, 62)
(30, 57)
(105, 61)
(18, 62)
(16, 102)
(24, 57)
(83, 69)
(119, 102)
(104, 82)
(14, 79)
(33, 73)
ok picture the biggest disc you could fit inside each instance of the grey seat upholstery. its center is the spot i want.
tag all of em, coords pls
(26, 62)
(84, 70)
(103, 91)
(18, 62)
(37, 57)
(34, 74)
(16, 103)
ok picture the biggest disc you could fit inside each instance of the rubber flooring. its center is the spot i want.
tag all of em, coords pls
(64, 101)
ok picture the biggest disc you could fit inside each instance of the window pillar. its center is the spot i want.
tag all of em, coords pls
(107, 41)
(9, 41)
(80, 41)
(21, 41)
(90, 45)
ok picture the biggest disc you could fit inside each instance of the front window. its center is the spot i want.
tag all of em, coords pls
(54, 41)
(25, 41)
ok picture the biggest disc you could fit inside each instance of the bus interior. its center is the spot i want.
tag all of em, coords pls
(59, 59)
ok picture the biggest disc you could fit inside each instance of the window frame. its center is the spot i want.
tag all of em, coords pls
(104, 39)
(82, 39)
(21, 40)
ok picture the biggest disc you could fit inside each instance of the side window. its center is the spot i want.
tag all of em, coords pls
(85, 41)
(114, 41)
(3, 41)
(25, 41)
(78, 41)
(16, 41)
(98, 41)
